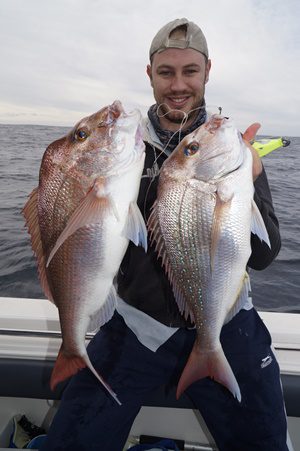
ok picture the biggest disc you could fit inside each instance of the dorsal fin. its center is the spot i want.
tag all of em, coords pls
(30, 212)
(156, 236)
(220, 211)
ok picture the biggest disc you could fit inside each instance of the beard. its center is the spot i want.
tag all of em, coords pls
(177, 116)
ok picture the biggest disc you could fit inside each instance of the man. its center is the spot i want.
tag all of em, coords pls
(147, 342)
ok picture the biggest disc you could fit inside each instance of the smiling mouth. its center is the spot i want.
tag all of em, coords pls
(178, 101)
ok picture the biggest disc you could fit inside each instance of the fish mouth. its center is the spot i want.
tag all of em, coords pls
(113, 112)
(126, 134)
(215, 122)
(126, 124)
(131, 122)
(116, 109)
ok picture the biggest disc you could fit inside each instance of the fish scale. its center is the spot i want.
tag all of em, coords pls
(188, 243)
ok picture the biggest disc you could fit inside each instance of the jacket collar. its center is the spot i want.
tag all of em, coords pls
(150, 137)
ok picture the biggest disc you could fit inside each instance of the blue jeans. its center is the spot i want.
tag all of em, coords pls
(89, 419)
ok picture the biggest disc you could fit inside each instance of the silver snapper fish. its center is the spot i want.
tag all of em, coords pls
(201, 224)
(80, 219)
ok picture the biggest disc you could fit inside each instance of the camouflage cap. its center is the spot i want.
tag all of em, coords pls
(194, 38)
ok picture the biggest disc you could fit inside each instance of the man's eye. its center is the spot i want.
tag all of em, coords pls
(81, 135)
(191, 72)
(165, 73)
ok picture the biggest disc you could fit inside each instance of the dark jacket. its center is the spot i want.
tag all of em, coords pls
(142, 282)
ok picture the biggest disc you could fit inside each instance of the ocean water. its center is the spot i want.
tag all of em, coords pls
(276, 288)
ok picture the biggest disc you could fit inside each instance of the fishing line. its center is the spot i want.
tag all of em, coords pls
(182, 124)
(154, 172)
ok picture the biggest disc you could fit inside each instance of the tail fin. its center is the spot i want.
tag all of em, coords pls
(213, 364)
(66, 366)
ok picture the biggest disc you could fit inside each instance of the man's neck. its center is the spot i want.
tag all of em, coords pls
(172, 126)
(171, 138)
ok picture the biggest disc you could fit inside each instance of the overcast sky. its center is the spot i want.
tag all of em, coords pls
(64, 59)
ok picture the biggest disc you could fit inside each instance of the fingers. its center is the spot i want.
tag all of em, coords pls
(248, 136)
(251, 131)
(257, 164)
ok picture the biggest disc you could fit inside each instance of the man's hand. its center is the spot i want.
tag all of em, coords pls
(248, 136)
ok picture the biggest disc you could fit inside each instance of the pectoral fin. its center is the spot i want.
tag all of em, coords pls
(135, 227)
(91, 210)
(258, 226)
(220, 211)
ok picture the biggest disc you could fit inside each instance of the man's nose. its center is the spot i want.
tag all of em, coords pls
(178, 83)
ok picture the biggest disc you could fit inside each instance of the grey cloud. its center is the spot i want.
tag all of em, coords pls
(64, 58)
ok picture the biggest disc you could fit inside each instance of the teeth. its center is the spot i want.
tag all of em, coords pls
(178, 100)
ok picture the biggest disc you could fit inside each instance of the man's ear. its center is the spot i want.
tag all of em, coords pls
(207, 70)
(149, 73)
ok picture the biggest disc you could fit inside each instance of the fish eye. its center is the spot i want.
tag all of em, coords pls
(191, 148)
(81, 135)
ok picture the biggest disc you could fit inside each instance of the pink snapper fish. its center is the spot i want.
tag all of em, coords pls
(201, 224)
(81, 218)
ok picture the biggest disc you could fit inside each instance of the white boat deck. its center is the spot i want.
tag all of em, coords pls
(32, 317)
(29, 329)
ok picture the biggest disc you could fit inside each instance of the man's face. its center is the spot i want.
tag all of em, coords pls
(178, 78)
